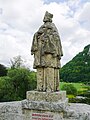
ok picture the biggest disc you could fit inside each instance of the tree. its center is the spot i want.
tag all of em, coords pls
(3, 70)
(6, 89)
(18, 81)
(15, 85)
(16, 62)
(22, 80)
(78, 69)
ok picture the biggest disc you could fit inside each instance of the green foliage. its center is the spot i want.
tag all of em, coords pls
(78, 69)
(81, 87)
(32, 81)
(3, 70)
(82, 90)
(70, 96)
(16, 83)
(6, 89)
(70, 89)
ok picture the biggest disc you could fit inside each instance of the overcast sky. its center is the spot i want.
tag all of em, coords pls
(20, 19)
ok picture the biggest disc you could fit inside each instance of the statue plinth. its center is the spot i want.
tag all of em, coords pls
(46, 96)
(45, 105)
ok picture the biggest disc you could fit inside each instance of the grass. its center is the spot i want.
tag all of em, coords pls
(82, 90)
(81, 87)
(70, 96)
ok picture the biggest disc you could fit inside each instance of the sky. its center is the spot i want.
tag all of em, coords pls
(20, 19)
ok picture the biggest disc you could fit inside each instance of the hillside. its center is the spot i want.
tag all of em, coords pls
(78, 69)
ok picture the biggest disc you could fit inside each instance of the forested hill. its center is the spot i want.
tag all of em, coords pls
(78, 69)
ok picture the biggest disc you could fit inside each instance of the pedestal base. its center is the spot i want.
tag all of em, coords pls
(44, 105)
(46, 96)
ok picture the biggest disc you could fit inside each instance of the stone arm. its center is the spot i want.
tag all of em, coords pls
(37, 36)
(60, 48)
(58, 41)
(34, 44)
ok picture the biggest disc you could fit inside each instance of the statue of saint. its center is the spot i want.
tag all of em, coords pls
(47, 50)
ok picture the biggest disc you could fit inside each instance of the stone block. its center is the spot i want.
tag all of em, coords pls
(39, 110)
(46, 96)
(44, 105)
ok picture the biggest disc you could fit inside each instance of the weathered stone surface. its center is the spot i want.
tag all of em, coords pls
(70, 112)
(48, 79)
(46, 96)
(45, 106)
(77, 112)
(11, 111)
(45, 103)
(47, 50)
(40, 115)
(11, 107)
(14, 111)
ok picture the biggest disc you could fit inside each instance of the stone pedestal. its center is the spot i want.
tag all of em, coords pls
(44, 105)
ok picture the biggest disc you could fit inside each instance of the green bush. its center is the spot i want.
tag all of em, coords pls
(70, 89)
(6, 89)
(17, 82)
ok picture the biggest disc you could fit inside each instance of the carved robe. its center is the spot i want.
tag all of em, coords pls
(47, 42)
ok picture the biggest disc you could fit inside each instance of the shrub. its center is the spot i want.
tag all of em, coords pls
(70, 89)
(16, 83)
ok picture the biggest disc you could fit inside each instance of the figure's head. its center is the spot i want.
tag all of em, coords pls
(48, 17)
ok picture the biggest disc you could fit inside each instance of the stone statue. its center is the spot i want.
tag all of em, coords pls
(47, 51)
